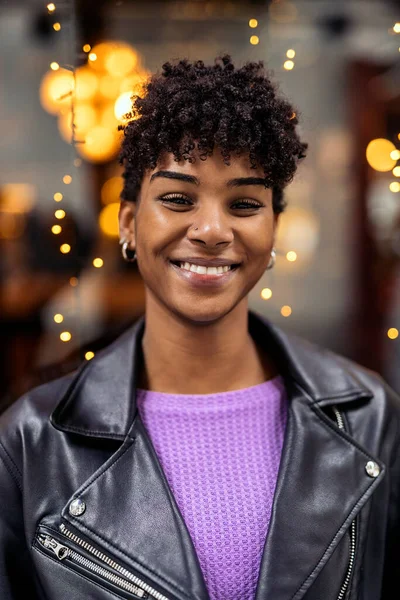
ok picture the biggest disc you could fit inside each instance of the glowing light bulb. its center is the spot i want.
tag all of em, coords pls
(286, 311)
(396, 171)
(395, 154)
(98, 262)
(291, 256)
(51, 7)
(58, 318)
(92, 56)
(58, 197)
(254, 40)
(253, 23)
(288, 65)
(87, 48)
(56, 229)
(394, 186)
(59, 214)
(56, 26)
(89, 355)
(393, 333)
(54, 66)
(65, 336)
(396, 27)
(67, 179)
(65, 248)
(266, 293)
(290, 53)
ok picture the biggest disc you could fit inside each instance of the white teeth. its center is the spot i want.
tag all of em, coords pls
(204, 270)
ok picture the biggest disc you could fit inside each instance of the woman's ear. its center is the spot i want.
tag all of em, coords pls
(126, 219)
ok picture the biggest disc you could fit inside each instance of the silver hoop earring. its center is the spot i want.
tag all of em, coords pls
(272, 260)
(128, 254)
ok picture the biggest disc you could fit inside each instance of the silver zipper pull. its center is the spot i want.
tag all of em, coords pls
(59, 550)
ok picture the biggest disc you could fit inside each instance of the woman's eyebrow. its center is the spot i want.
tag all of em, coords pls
(237, 182)
(175, 175)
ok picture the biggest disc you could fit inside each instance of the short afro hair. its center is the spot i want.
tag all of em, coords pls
(193, 107)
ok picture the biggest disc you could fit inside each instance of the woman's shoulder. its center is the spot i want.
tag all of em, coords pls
(23, 423)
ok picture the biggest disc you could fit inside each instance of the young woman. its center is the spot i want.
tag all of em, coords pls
(205, 454)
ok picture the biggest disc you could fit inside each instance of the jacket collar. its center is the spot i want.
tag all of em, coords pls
(100, 402)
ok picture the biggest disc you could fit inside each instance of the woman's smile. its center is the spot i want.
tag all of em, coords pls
(200, 275)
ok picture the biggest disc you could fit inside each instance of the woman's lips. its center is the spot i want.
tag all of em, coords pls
(204, 279)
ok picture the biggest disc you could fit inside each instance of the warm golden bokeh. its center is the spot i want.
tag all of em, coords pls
(378, 154)
(108, 220)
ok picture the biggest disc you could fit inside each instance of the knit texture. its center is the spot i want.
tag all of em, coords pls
(220, 454)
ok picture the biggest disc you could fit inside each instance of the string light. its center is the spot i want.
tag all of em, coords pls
(54, 66)
(58, 197)
(65, 248)
(288, 65)
(57, 26)
(51, 7)
(254, 40)
(394, 186)
(56, 229)
(67, 179)
(59, 214)
(253, 23)
(65, 336)
(393, 333)
(58, 318)
(98, 262)
(286, 311)
(89, 355)
(266, 293)
(290, 53)
(396, 27)
(396, 171)
(291, 256)
(92, 56)
(87, 48)
(395, 154)
(77, 162)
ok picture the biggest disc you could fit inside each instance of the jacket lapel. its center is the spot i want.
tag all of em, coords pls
(321, 487)
(131, 514)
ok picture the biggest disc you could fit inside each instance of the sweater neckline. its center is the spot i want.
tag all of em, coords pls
(274, 383)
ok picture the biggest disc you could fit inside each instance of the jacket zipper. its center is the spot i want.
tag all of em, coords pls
(345, 585)
(129, 582)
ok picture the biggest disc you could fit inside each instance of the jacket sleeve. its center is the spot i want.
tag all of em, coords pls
(17, 579)
(392, 549)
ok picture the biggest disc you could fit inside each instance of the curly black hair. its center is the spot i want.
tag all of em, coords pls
(193, 107)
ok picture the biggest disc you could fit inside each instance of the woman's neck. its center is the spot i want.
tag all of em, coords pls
(182, 357)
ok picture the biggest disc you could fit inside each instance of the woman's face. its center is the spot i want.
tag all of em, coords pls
(196, 212)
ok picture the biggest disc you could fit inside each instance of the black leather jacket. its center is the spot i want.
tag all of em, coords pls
(86, 511)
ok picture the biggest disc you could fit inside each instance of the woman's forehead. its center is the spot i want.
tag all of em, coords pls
(214, 165)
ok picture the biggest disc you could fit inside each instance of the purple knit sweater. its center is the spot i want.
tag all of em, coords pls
(220, 454)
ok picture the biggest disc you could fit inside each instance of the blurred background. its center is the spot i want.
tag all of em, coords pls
(65, 290)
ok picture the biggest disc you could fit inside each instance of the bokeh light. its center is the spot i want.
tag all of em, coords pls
(378, 154)
(286, 311)
(266, 293)
(108, 220)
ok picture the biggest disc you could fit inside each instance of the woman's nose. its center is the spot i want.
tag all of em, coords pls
(211, 227)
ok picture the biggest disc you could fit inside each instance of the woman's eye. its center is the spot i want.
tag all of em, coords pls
(244, 204)
(180, 200)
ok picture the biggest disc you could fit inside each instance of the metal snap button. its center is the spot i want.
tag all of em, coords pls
(372, 468)
(77, 507)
